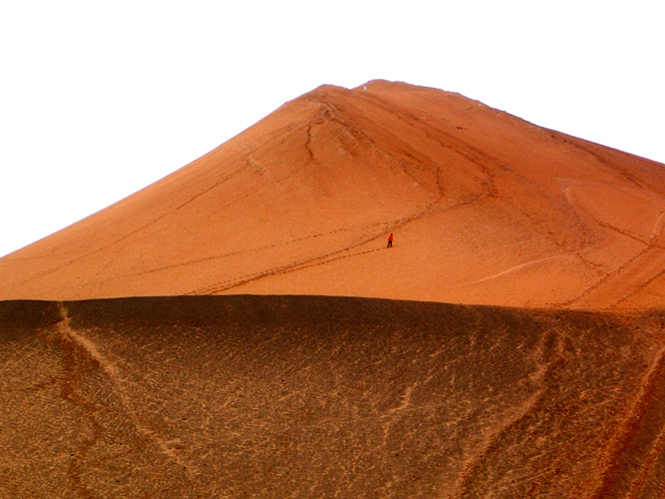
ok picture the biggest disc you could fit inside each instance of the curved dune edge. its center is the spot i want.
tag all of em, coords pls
(270, 396)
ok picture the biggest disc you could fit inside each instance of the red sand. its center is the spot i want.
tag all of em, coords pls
(486, 209)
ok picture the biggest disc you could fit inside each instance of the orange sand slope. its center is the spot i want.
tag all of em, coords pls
(486, 208)
(321, 397)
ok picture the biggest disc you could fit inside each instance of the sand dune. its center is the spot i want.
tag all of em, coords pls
(486, 209)
(249, 396)
(511, 343)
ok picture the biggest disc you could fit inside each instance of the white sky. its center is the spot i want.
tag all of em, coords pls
(99, 99)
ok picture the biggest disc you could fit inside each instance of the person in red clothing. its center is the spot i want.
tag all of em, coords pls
(390, 241)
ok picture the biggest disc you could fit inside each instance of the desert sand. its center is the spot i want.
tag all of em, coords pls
(486, 209)
(277, 396)
(240, 329)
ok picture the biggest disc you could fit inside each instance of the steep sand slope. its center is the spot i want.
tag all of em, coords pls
(485, 208)
(266, 397)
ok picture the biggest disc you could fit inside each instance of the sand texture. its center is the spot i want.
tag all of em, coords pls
(311, 397)
(485, 208)
(239, 329)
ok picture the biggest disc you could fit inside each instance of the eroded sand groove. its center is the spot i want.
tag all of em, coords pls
(640, 439)
(81, 359)
(76, 364)
(235, 396)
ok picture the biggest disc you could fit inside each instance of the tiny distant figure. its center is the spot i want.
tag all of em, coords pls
(390, 241)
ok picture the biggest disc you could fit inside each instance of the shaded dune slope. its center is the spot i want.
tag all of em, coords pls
(297, 396)
(486, 208)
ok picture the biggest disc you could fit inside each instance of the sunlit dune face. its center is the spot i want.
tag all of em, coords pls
(484, 207)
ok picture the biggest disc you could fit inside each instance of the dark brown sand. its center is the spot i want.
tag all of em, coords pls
(282, 396)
